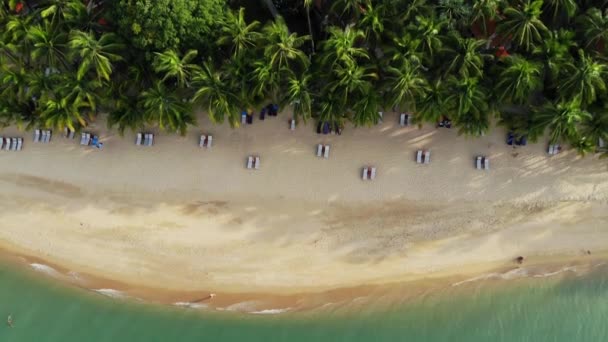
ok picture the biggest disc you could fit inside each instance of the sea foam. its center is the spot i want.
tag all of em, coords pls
(46, 269)
(270, 311)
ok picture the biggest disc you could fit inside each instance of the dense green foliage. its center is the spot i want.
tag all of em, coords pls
(536, 66)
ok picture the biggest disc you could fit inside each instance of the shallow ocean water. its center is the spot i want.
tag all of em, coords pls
(568, 308)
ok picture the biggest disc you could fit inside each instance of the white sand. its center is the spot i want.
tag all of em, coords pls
(175, 216)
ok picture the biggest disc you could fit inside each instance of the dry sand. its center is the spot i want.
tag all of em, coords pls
(180, 218)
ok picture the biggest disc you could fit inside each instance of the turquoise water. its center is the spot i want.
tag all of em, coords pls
(570, 309)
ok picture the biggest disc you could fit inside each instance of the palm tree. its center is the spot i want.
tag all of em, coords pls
(519, 80)
(126, 114)
(594, 26)
(372, 22)
(283, 47)
(555, 51)
(469, 102)
(62, 10)
(61, 113)
(465, 55)
(524, 24)
(237, 33)
(456, 13)
(433, 104)
(266, 81)
(341, 46)
(585, 79)
(173, 66)
(406, 84)
(95, 53)
(351, 80)
(484, 11)
(351, 7)
(307, 5)
(166, 108)
(299, 96)
(49, 44)
(562, 119)
(365, 109)
(82, 91)
(426, 31)
(561, 9)
(214, 93)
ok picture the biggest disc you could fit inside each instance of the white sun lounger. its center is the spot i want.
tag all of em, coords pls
(19, 144)
(14, 144)
(402, 119)
(364, 175)
(319, 150)
(292, 124)
(138, 139)
(326, 154)
(256, 164)
(486, 163)
(83, 138)
(419, 157)
(201, 141)
(427, 157)
(601, 143)
(1, 142)
(209, 141)
(146, 139)
(36, 135)
(249, 162)
(478, 164)
(42, 136)
(7, 144)
(66, 132)
(151, 140)
(87, 141)
(373, 175)
(243, 119)
(49, 133)
(550, 150)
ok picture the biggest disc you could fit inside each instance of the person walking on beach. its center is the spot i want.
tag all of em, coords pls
(9, 320)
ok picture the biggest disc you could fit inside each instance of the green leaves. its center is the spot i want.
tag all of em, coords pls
(96, 54)
(523, 24)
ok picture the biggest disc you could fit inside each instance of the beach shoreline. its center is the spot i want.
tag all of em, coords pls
(184, 220)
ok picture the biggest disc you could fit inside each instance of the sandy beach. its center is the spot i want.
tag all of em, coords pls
(180, 218)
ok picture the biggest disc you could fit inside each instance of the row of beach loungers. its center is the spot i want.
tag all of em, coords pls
(482, 163)
(11, 144)
(148, 139)
(405, 119)
(253, 162)
(423, 157)
(369, 173)
(206, 141)
(42, 136)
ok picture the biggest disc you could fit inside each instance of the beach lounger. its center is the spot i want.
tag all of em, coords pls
(71, 136)
(243, 118)
(249, 162)
(83, 138)
(66, 132)
(209, 141)
(364, 175)
(402, 119)
(419, 157)
(7, 144)
(49, 133)
(380, 117)
(409, 119)
(146, 139)
(326, 153)
(550, 150)
(601, 143)
(14, 144)
(151, 140)
(201, 142)
(256, 164)
(88, 139)
(292, 124)
(486, 163)
(319, 150)
(478, 165)
(138, 139)
(19, 144)
(42, 137)
(36, 135)
(373, 173)
(427, 157)
(1, 142)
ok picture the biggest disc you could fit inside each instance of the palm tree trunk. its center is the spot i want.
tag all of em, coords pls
(271, 8)
(312, 37)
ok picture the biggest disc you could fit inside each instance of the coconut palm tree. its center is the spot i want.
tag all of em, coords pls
(61, 113)
(594, 26)
(126, 114)
(523, 23)
(342, 46)
(469, 102)
(519, 79)
(307, 5)
(283, 47)
(426, 31)
(406, 83)
(266, 80)
(484, 11)
(560, 9)
(96, 54)
(372, 22)
(172, 66)
(299, 96)
(464, 55)
(555, 51)
(456, 13)
(562, 119)
(351, 80)
(584, 79)
(162, 106)
(214, 93)
(236, 33)
(49, 45)
(433, 104)
(365, 109)
(353, 8)
(83, 91)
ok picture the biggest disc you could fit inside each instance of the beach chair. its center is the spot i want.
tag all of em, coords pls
(88, 139)
(326, 153)
(478, 165)
(380, 117)
(550, 150)
(427, 157)
(7, 144)
(364, 175)
(151, 140)
(36, 135)
(419, 157)
(409, 119)
(71, 136)
(243, 118)
(292, 124)
(49, 133)
(138, 139)
(201, 142)
(601, 143)
(42, 136)
(319, 150)
(249, 162)
(83, 137)
(373, 173)
(1, 143)
(146, 139)
(402, 119)
(209, 141)
(14, 144)
(19, 144)
(486, 163)
(256, 164)
(66, 132)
